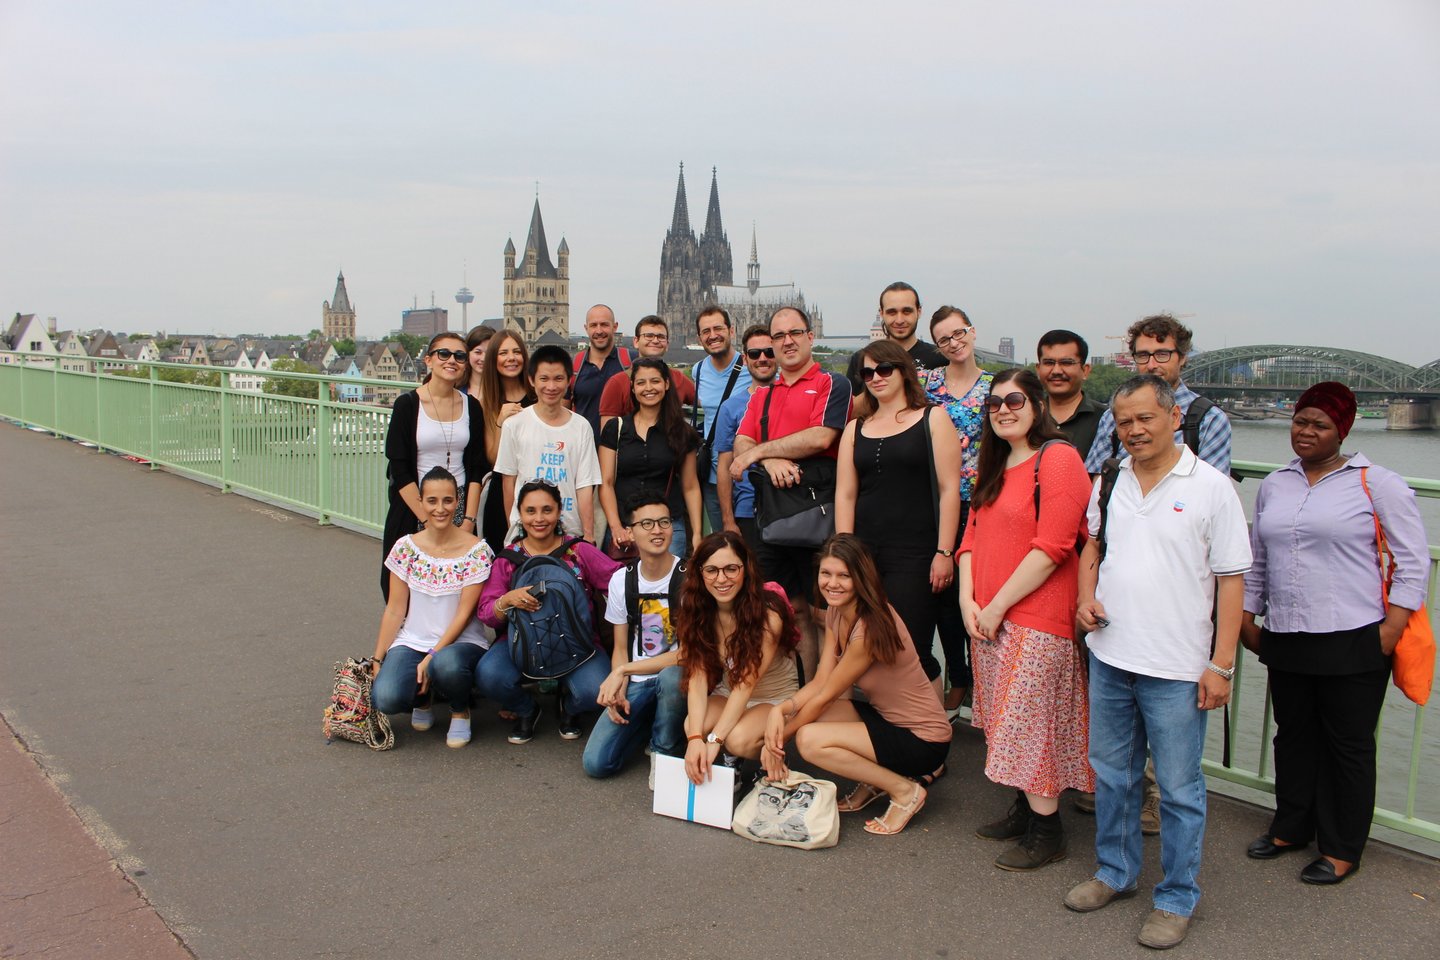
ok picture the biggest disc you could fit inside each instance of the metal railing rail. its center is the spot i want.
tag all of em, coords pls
(325, 458)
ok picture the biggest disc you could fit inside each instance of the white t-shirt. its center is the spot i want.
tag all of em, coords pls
(1157, 583)
(531, 449)
(434, 438)
(657, 630)
(435, 584)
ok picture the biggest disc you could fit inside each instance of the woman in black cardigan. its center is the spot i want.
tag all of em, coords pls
(437, 424)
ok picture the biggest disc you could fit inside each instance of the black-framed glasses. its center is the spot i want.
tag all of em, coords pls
(1159, 356)
(653, 337)
(880, 369)
(964, 333)
(1065, 363)
(651, 523)
(1011, 401)
(730, 571)
(445, 354)
(797, 334)
(755, 353)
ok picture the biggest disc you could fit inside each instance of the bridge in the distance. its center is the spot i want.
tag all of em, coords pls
(1290, 368)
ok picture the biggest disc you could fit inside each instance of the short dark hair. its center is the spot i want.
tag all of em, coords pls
(945, 312)
(1158, 327)
(803, 315)
(548, 353)
(650, 320)
(1164, 393)
(899, 286)
(440, 475)
(710, 308)
(758, 330)
(643, 498)
(1057, 338)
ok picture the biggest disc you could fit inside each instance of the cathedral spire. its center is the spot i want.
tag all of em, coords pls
(713, 227)
(341, 303)
(752, 269)
(536, 242)
(680, 221)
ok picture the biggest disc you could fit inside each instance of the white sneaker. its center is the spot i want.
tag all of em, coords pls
(422, 719)
(459, 733)
(652, 772)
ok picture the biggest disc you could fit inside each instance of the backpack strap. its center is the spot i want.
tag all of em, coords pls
(1040, 455)
(624, 357)
(930, 456)
(632, 605)
(559, 552)
(1109, 473)
(1190, 426)
(579, 362)
(515, 557)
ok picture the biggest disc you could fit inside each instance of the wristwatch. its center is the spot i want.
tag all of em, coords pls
(944, 553)
(711, 738)
(1227, 674)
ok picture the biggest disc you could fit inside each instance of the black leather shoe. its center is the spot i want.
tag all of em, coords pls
(1264, 847)
(524, 729)
(1322, 872)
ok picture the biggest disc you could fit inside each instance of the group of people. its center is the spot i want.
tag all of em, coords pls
(1086, 567)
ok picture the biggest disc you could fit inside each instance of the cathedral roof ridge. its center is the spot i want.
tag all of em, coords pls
(536, 241)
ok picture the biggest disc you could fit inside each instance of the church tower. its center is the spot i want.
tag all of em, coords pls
(680, 286)
(752, 269)
(715, 259)
(537, 293)
(337, 317)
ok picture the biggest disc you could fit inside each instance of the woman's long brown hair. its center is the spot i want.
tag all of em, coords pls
(888, 351)
(872, 607)
(990, 471)
(492, 385)
(697, 621)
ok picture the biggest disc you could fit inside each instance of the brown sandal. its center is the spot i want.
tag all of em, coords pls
(883, 826)
(858, 799)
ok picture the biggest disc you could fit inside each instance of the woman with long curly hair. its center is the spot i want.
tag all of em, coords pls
(1019, 590)
(901, 733)
(737, 652)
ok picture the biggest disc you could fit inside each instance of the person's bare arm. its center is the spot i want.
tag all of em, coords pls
(847, 481)
(797, 446)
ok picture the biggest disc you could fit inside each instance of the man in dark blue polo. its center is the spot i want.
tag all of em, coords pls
(594, 367)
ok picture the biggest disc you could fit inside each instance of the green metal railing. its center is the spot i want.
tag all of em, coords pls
(325, 458)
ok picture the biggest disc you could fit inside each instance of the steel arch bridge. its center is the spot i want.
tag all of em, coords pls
(1290, 365)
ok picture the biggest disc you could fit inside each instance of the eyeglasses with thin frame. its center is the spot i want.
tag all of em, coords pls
(653, 337)
(730, 571)
(649, 524)
(1065, 363)
(1011, 401)
(755, 353)
(880, 369)
(797, 334)
(445, 354)
(964, 333)
(1159, 356)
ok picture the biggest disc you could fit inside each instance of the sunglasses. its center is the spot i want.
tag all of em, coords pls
(1011, 401)
(444, 354)
(755, 353)
(880, 369)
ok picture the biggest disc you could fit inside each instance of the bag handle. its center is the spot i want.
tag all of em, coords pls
(1383, 552)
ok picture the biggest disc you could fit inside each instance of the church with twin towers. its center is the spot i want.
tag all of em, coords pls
(697, 271)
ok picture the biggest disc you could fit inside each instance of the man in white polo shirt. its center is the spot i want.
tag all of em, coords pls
(1174, 551)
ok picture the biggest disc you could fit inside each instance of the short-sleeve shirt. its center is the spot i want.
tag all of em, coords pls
(1080, 429)
(531, 449)
(742, 493)
(656, 633)
(590, 382)
(817, 398)
(968, 414)
(709, 387)
(647, 464)
(1214, 436)
(1163, 553)
(435, 584)
(616, 401)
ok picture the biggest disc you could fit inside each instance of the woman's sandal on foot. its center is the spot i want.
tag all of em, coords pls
(858, 799)
(885, 826)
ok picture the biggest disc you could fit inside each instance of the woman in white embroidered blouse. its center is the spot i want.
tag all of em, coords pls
(429, 631)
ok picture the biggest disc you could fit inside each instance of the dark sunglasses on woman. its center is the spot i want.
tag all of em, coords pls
(444, 354)
(1011, 401)
(883, 369)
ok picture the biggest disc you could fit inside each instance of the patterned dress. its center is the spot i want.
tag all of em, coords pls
(968, 414)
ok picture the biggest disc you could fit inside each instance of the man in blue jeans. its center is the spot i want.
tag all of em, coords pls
(642, 694)
(1173, 549)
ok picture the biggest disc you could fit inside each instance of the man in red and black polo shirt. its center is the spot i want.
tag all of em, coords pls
(807, 414)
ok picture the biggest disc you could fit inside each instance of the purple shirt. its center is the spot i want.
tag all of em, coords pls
(1316, 569)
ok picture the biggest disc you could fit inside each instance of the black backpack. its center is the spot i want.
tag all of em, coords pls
(633, 597)
(549, 643)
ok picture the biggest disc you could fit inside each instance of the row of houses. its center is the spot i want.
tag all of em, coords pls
(248, 358)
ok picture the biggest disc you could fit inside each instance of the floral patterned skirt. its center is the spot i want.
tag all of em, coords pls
(1030, 699)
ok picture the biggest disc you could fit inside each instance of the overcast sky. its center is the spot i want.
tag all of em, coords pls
(1270, 168)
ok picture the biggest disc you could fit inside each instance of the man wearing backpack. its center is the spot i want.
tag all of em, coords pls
(595, 365)
(720, 375)
(642, 695)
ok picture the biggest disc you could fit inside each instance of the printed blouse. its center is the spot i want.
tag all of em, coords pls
(968, 414)
(435, 584)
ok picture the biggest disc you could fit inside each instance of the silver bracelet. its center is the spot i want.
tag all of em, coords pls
(1227, 674)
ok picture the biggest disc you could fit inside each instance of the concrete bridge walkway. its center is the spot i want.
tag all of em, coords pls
(165, 656)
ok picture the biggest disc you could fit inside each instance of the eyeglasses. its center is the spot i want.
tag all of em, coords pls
(964, 333)
(757, 352)
(1159, 356)
(1011, 401)
(444, 354)
(1065, 362)
(654, 337)
(651, 523)
(796, 334)
(730, 570)
(880, 369)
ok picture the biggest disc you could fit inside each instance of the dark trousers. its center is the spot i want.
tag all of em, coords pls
(906, 576)
(954, 637)
(1325, 758)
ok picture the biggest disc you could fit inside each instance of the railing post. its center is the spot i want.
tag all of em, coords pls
(227, 441)
(322, 450)
(55, 397)
(154, 418)
(99, 409)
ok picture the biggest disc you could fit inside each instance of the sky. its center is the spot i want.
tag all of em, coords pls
(1269, 170)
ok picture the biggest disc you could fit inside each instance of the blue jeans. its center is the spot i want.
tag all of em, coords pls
(451, 671)
(1127, 710)
(499, 680)
(711, 495)
(657, 708)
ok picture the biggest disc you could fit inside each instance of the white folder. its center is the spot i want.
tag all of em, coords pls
(712, 802)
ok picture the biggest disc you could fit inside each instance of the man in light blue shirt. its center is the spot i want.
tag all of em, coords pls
(737, 497)
(718, 377)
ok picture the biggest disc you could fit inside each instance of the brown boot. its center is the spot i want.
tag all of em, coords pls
(1044, 842)
(1013, 825)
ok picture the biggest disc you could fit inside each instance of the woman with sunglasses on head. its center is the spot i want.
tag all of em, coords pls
(960, 387)
(650, 451)
(504, 392)
(737, 653)
(542, 534)
(1019, 589)
(888, 492)
(899, 734)
(435, 425)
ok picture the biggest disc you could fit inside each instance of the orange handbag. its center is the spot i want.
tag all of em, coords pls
(1413, 663)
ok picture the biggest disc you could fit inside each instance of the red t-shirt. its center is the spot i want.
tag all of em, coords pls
(616, 401)
(817, 398)
(1000, 534)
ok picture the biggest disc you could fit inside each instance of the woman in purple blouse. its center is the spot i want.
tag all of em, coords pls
(1327, 637)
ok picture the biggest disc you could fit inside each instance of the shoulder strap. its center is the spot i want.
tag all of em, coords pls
(930, 456)
(1040, 455)
(765, 413)
(729, 387)
(1109, 473)
(624, 357)
(559, 552)
(677, 580)
(1190, 427)
(580, 360)
(1382, 544)
(632, 604)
